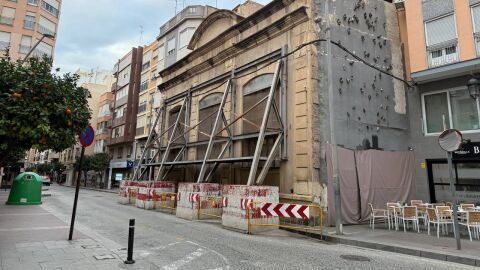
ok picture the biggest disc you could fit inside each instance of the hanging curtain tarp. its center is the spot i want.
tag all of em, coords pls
(370, 176)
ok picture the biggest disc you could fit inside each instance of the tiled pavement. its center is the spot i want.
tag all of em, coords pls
(31, 238)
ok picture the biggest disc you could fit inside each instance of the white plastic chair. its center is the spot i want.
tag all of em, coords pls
(410, 213)
(379, 214)
(435, 220)
(472, 223)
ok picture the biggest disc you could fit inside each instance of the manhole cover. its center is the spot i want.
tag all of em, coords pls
(355, 258)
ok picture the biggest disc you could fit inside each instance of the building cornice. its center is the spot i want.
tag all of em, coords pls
(276, 28)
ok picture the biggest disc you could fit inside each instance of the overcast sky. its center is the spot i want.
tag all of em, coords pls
(96, 33)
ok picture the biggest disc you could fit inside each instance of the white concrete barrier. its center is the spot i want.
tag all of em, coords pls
(239, 198)
(191, 197)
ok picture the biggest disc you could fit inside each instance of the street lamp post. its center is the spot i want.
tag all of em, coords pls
(35, 46)
(474, 87)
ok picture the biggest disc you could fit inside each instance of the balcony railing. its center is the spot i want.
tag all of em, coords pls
(6, 20)
(4, 45)
(28, 24)
(442, 54)
(42, 29)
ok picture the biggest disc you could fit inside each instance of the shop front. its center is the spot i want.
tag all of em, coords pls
(466, 174)
(119, 170)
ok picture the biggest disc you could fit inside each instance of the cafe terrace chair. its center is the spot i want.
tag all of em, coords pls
(393, 211)
(379, 214)
(435, 220)
(410, 214)
(472, 224)
(416, 202)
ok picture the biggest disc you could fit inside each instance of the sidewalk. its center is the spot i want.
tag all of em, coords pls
(410, 243)
(34, 239)
(113, 190)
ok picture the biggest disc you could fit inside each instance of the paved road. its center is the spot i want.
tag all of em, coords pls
(163, 241)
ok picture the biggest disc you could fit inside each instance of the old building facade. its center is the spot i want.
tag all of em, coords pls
(265, 74)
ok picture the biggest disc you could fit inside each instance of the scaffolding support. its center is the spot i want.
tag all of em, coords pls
(157, 164)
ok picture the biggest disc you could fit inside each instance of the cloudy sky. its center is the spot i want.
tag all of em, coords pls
(95, 33)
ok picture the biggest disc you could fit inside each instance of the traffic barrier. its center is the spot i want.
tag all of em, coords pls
(210, 206)
(189, 202)
(145, 198)
(291, 216)
(165, 200)
(123, 195)
(239, 198)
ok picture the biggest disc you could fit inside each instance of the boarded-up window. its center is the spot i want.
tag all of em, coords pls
(172, 118)
(253, 92)
(207, 106)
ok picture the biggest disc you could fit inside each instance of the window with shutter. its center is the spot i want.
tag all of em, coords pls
(476, 26)
(441, 38)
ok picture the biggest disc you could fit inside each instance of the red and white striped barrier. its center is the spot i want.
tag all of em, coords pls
(224, 202)
(285, 210)
(246, 204)
(192, 197)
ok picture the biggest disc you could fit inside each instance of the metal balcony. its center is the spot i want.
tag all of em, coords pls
(442, 54)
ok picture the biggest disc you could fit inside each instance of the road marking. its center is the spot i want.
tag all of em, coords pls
(34, 228)
(185, 260)
(26, 214)
(219, 254)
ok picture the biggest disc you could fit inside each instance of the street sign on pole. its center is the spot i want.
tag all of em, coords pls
(86, 139)
(450, 140)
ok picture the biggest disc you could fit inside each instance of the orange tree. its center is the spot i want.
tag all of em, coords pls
(39, 109)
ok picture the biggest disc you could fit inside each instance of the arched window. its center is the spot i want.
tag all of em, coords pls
(207, 106)
(253, 91)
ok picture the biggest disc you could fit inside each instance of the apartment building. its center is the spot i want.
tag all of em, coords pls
(104, 116)
(170, 46)
(441, 41)
(127, 72)
(69, 156)
(175, 34)
(24, 22)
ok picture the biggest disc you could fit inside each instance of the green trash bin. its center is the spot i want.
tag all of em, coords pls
(26, 189)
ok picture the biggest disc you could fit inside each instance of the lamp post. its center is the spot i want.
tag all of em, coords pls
(35, 46)
(474, 87)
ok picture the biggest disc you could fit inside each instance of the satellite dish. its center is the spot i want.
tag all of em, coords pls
(450, 140)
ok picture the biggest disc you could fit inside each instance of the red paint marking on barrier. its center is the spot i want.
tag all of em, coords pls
(285, 210)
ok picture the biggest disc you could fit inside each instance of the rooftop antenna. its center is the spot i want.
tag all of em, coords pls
(141, 35)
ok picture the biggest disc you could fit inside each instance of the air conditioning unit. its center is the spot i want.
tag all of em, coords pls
(399, 3)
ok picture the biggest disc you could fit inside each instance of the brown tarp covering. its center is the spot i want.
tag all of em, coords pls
(370, 176)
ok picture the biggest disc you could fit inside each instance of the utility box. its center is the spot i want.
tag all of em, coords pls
(26, 189)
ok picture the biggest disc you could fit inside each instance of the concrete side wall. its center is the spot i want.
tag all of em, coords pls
(369, 105)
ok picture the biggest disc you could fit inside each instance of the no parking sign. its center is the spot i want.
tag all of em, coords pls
(87, 136)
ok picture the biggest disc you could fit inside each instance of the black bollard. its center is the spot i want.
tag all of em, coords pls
(131, 236)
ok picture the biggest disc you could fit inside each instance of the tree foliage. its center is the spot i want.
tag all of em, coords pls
(39, 109)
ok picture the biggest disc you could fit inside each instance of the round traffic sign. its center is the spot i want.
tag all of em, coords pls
(87, 136)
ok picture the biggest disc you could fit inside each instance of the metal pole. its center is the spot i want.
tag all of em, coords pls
(35, 46)
(334, 157)
(131, 236)
(263, 128)
(77, 189)
(454, 200)
(201, 175)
